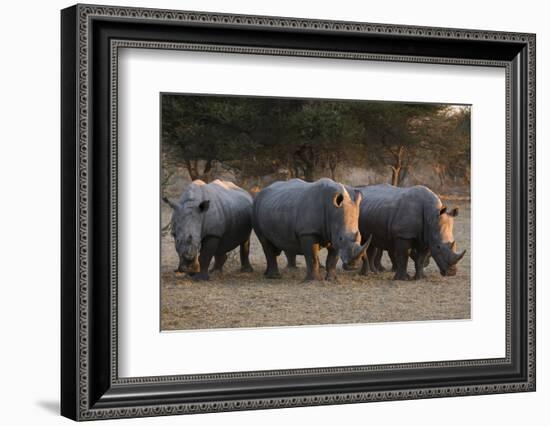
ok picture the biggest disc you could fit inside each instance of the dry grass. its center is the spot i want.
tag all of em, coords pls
(235, 299)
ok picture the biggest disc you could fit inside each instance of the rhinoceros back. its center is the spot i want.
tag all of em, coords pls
(229, 216)
(286, 210)
(389, 212)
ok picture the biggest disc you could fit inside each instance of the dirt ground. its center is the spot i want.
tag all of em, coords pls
(234, 299)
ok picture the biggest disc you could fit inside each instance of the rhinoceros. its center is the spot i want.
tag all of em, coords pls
(208, 221)
(300, 217)
(407, 221)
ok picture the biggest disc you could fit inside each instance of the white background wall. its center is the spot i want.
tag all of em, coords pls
(29, 212)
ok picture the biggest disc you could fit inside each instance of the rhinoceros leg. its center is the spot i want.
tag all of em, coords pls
(310, 248)
(419, 258)
(219, 261)
(378, 261)
(372, 252)
(209, 247)
(332, 260)
(271, 252)
(391, 254)
(402, 252)
(244, 252)
(290, 260)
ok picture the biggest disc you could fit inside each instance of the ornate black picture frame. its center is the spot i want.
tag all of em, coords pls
(91, 388)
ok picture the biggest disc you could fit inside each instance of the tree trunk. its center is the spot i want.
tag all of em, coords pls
(291, 169)
(332, 164)
(191, 166)
(193, 169)
(397, 167)
(440, 172)
(309, 172)
(395, 171)
(207, 170)
(306, 154)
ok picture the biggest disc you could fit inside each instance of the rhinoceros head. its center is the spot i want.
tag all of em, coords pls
(443, 246)
(344, 226)
(187, 223)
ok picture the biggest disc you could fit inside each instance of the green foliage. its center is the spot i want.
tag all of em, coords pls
(391, 134)
(258, 136)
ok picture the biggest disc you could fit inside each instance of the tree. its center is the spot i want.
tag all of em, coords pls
(391, 134)
(446, 142)
(322, 132)
(258, 136)
(237, 133)
(184, 135)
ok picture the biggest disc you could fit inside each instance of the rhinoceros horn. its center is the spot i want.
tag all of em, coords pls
(359, 250)
(458, 256)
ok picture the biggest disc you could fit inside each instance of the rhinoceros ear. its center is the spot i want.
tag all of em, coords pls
(443, 210)
(204, 205)
(454, 212)
(171, 203)
(338, 199)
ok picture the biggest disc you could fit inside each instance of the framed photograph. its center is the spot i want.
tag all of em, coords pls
(263, 212)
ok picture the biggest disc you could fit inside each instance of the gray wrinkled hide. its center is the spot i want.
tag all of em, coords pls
(299, 217)
(211, 220)
(405, 219)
